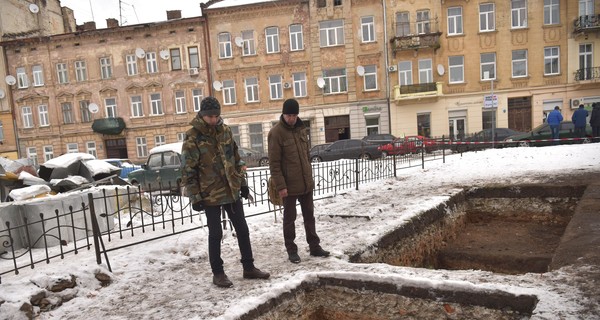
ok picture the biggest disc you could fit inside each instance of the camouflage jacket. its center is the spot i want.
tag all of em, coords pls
(289, 158)
(212, 170)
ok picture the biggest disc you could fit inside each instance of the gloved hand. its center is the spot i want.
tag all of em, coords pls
(245, 191)
(197, 206)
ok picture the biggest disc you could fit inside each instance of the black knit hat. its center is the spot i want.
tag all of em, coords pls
(210, 106)
(291, 106)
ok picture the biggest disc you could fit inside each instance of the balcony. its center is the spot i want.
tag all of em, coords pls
(426, 36)
(589, 23)
(587, 74)
(418, 91)
(108, 125)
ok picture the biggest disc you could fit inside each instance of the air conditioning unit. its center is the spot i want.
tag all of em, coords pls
(575, 102)
(393, 68)
(193, 71)
(287, 85)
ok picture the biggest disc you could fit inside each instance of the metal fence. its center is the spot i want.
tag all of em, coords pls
(110, 218)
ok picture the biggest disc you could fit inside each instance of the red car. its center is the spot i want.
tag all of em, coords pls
(408, 144)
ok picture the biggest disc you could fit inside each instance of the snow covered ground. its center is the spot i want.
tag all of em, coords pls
(171, 278)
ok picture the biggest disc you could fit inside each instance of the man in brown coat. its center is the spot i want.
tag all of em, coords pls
(292, 171)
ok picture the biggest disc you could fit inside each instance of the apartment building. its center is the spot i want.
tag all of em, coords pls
(114, 92)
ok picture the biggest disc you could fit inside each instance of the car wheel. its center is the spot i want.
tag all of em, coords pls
(365, 156)
(263, 162)
(524, 143)
(316, 159)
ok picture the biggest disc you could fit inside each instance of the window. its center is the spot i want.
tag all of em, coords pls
(272, 39)
(586, 61)
(486, 17)
(197, 96)
(175, 55)
(455, 23)
(372, 124)
(156, 104)
(331, 33)
(519, 63)
(62, 73)
(194, 57)
(228, 92)
(337, 2)
(141, 147)
(235, 132)
(425, 71)
(224, 45)
(32, 155)
(296, 37)
(402, 24)
(38, 76)
(67, 112)
(518, 13)
(110, 105)
(72, 148)
(86, 115)
(456, 69)
(105, 68)
(370, 77)
(248, 45)
(321, 3)
(180, 102)
(367, 26)
(251, 89)
(335, 81)
(488, 66)
(43, 115)
(159, 140)
(423, 23)
(299, 84)
(137, 109)
(22, 80)
(551, 61)
(551, 11)
(405, 73)
(48, 153)
(131, 61)
(256, 137)
(424, 125)
(275, 87)
(151, 63)
(180, 136)
(91, 148)
(27, 115)
(80, 71)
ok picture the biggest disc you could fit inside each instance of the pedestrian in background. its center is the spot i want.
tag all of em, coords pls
(213, 179)
(554, 119)
(595, 119)
(579, 119)
(291, 171)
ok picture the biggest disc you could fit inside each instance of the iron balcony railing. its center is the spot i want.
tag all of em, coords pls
(587, 74)
(417, 91)
(412, 36)
(587, 23)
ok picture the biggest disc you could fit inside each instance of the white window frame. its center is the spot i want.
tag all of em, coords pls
(518, 9)
(456, 69)
(27, 116)
(370, 78)
(141, 147)
(296, 37)
(551, 59)
(80, 71)
(160, 140)
(423, 22)
(22, 80)
(62, 73)
(367, 27)
(43, 115)
(425, 71)
(455, 21)
(193, 57)
(48, 153)
(38, 75)
(251, 85)
(402, 24)
(105, 68)
(180, 136)
(335, 81)
(72, 147)
(151, 63)
(180, 106)
(272, 39)
(90, 147)
(551, 12)
(86, 115)
(519, 63)
(331, 33)
(132, 67)
(228, 92)
(372, 128)
(487, 17)
(300, 89)
(487, 63)
(224, 40)
(67, 112)
(175, 57)
(276, 87)
(137, 106)
(405, 76)
(110, 107)
(248, 43)
(156, 104)
(197, 96)
(32, 155)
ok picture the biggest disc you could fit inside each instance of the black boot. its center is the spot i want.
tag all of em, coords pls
(221, 280)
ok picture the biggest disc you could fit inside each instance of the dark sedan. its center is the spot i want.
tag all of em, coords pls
(346, 149)
(483, 139)
(542, 132)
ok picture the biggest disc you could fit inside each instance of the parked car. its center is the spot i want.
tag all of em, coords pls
(253, 158)
(541, 132)
(379, 138)
(408, 144)
(484, 136)
(162, 170)
(318, 148)
(345, 149)
(126, 166)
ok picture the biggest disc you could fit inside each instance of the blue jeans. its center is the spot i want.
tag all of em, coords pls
(555, 128)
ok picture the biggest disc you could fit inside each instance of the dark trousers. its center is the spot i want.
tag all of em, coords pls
(235, 212)
(289, 219)
(596, 131)
(580, 132)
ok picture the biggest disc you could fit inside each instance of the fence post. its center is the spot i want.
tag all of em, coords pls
(395, 168)
(96, 233)
(356, 172)
(443, 148)
(423, 153)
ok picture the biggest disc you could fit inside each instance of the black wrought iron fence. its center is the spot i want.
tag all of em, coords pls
(124, 216)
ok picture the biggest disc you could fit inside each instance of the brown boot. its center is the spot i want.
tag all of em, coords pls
(255, 273)
(221, 280)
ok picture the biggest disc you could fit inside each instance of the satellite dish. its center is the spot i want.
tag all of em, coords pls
(440, 69)
(238, 41)
(217, 85)
(34, 8)
(2, 94)
(93, 108)
(360, 70)
(10, 80)
(320, 82)
(140, 53)
(164, 54)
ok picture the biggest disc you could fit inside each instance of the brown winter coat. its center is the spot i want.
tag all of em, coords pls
(289, 158)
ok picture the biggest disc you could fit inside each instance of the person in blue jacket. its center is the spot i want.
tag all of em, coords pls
(554, 119)
(579, 120)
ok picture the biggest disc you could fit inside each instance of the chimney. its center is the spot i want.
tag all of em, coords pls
(90, 25)
(112, 23)
(173, 14)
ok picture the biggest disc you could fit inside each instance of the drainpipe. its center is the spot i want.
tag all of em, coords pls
(207, 50)
(11, 105)
(387, 74)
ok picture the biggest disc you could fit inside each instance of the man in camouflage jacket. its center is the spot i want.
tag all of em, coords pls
(212, 178)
